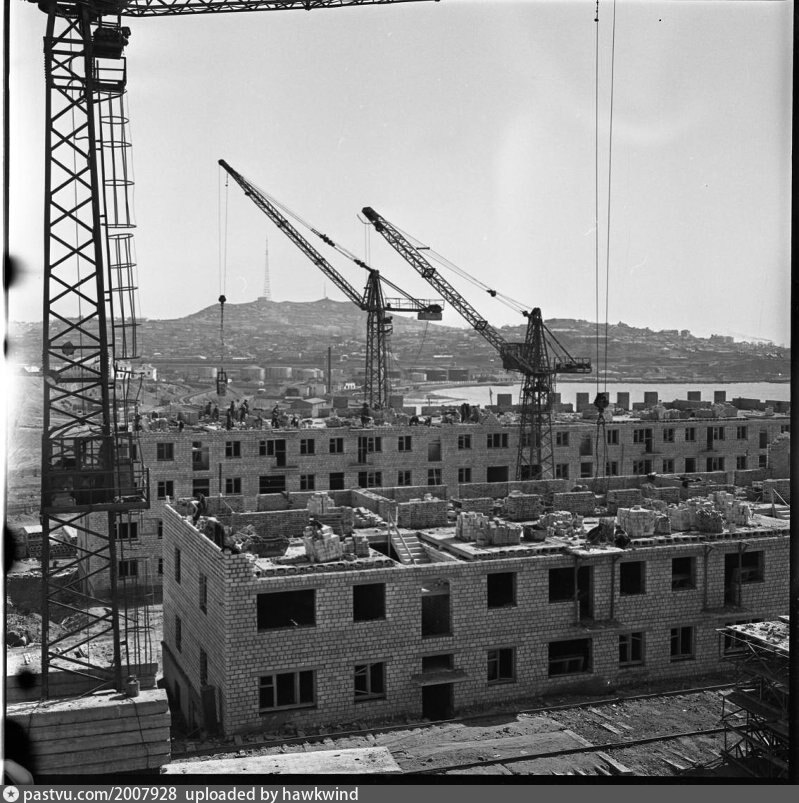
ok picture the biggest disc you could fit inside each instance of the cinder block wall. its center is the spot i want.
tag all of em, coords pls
(336, 644)
(756, 436)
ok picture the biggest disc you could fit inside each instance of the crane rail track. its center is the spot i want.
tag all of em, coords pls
(569, 751)
(344, 734)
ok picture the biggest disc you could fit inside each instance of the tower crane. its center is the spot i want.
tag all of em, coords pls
(372, 301)
(92, 480)
(538, 359)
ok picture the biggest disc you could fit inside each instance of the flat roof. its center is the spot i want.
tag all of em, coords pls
(773, 636)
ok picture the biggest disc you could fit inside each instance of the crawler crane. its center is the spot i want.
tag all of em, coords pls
(535, 458)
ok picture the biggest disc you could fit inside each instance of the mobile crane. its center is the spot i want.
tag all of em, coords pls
(91, 478)
(535, 457)
(372, 301)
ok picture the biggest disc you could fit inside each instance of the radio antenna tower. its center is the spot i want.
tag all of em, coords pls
(267, 295)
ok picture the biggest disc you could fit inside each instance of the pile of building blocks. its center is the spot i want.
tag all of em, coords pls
(623, 497)
(260, 544)
(320, 504)
(481, 529)
(420, 514)
(637, 522)
(735, 511)
(362, 518)
(482, 505)
(522, 507)
(322, 545)
(58, 549)
(582, 502)
(562, 524)
(667, 493)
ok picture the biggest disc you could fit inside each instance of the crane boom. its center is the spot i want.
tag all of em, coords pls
(512, 356)
(377, 389)
(274, 214)
(531, 358)
(163, 8)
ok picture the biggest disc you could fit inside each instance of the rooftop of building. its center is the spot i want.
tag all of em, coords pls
(474, 536)
(771, 636)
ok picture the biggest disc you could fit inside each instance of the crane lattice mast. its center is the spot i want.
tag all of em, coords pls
(92, 480)
(377, 388)
(535, 458)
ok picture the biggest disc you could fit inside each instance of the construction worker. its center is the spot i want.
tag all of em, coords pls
(199, 507)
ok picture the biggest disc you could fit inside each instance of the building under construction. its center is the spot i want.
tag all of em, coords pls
(263, 468)
(426, 617)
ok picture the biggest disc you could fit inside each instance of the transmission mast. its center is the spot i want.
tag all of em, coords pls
(267, 296)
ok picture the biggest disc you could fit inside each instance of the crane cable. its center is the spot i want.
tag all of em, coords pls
(602, 375)
(223, 243)
(288, 212)
(610, 174)
(596, 186)
(516, 306)
(446, 263)
(602, 339)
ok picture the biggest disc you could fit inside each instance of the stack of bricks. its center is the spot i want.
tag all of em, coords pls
(322, 546)
(58, 549)
(562, 524)
(487, 531)
(623, 497)
(680, 518)
(500, 533)
(668, 493)
(582, 502)
(734, 511)
(484, 505)
(319, 504)
(523, 507)
(709, 520)
(362, 517)
(637, 522)
(654, 504)
(422, 513)
(469, 524)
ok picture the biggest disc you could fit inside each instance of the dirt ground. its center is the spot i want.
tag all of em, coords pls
(488, 740)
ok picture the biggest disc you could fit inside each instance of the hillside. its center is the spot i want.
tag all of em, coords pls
(299, 333)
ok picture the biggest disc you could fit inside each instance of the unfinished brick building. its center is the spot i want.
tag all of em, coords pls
(472, 460)
(259, 641)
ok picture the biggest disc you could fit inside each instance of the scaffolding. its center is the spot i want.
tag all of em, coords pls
(755, 711)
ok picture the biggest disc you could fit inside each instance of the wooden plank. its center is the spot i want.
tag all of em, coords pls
(142, 761)
(673, 765)
(90, 744)
(46, 732)
(119, 755)
(615, 766)
(102, 705)
(364, 760)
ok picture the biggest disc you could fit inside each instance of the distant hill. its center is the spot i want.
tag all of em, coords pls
(299, 333)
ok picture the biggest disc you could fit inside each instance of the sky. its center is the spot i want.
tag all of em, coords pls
(471, 125)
